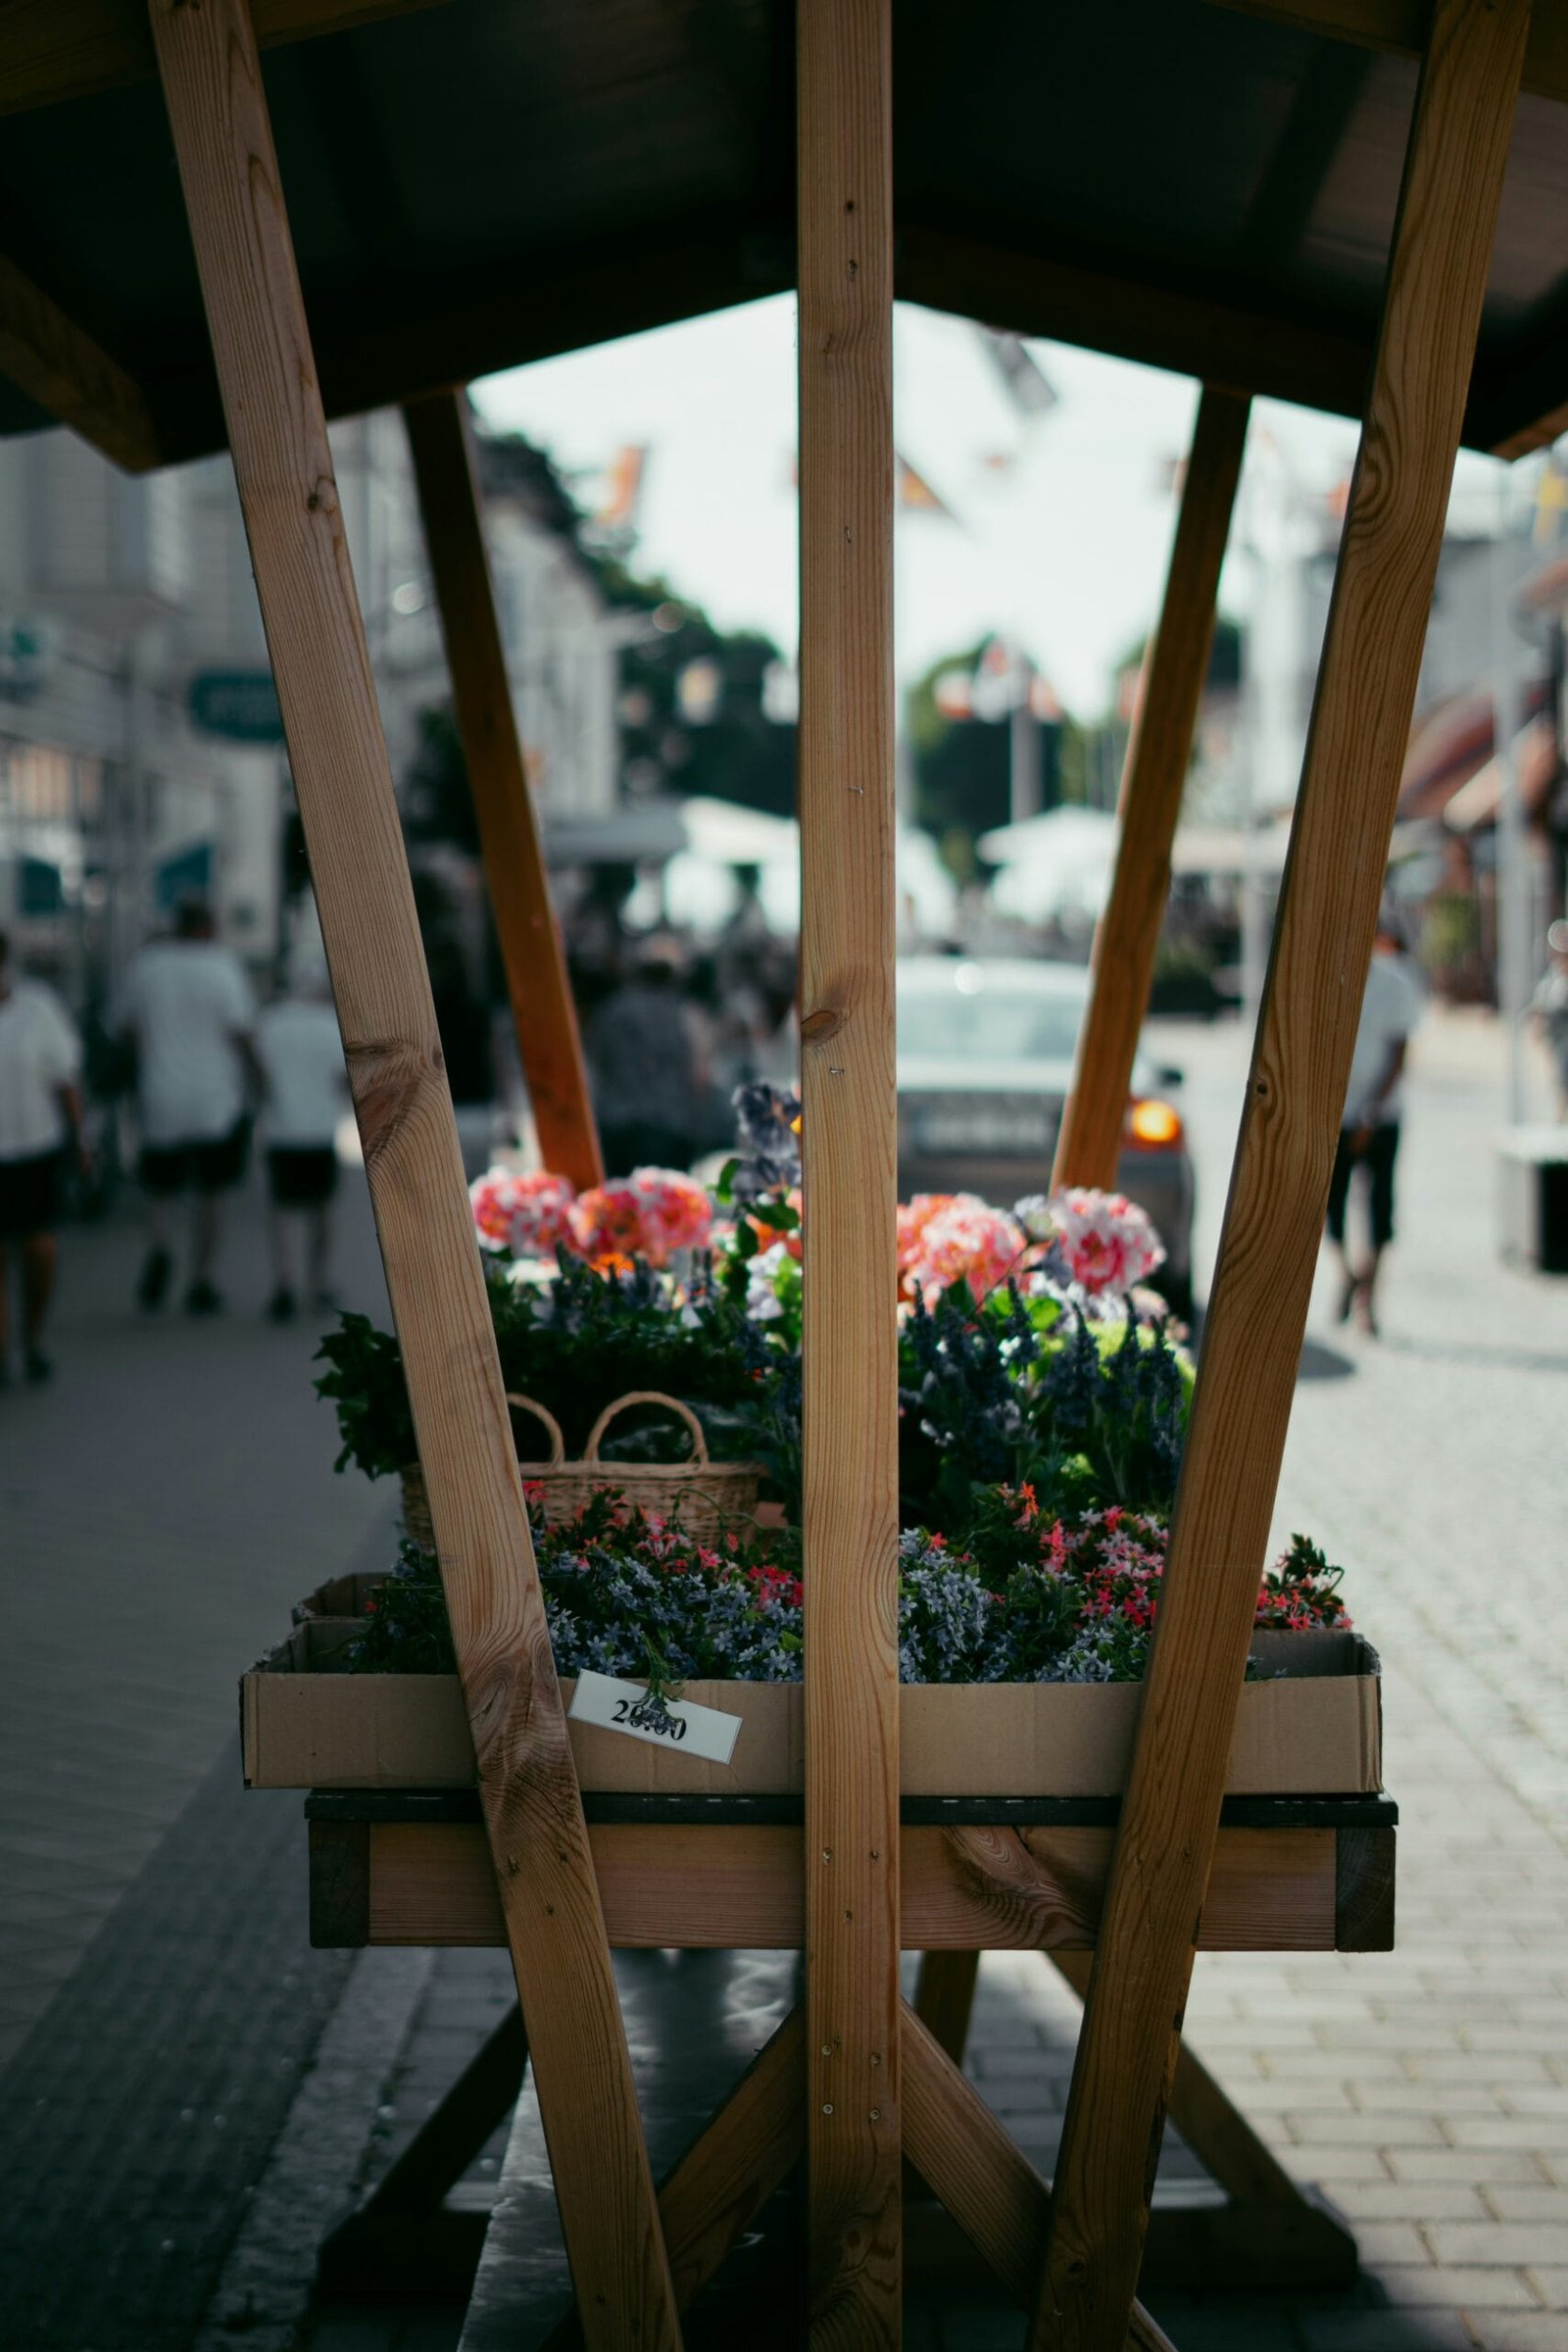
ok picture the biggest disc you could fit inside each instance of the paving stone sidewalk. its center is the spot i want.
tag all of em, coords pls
(163, 1503)
(1427, 2089)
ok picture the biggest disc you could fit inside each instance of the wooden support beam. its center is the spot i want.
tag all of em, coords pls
(1157, 756)
(730, 2171)
(45, 354)
(722, 2182)
(1399, 27)
(1224, 343)
(1213, 2127)
(741, 1889)
(542, 1009)
(849, 1146)
(56, 49)
(283, 462)
(1301, 1066)
(988, 2186)
(944, 1997)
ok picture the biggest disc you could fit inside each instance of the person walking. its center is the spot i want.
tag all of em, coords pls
(40, 1125)
(303, 1095)
(186, 1007)
(1550, 1008)
(1369, 1130)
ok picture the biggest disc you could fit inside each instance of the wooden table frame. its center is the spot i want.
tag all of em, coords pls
(857, 2080)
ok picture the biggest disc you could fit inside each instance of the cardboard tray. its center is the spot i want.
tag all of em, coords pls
(1315, 1729)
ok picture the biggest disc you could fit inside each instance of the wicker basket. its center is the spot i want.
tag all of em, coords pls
(703, 1493)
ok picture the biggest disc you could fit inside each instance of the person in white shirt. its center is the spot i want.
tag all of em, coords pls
(187, 1005)
(40, 1124)
(305, 1090)
(1369, 1129)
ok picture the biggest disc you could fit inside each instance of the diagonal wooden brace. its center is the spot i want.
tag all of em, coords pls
(543, 1014)
(988, 2186)
(283, 462)
(1157, 760)
(1300, 1067)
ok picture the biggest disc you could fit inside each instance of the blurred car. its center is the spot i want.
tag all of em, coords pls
(985, 1064)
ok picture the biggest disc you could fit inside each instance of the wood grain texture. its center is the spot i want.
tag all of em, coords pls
(55, 49)
(740, 1890)
(944, 1997)
(45, 354)
(849, 1151)
(1365, 1890)
(1159, 753)
(988, 2186)
(722, 2182)
(1296, 1092)
(727, 2176)
(1213, 2126)
(229, 169)
(531, 948)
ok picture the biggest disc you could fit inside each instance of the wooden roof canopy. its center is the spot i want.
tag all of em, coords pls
(1206, 185)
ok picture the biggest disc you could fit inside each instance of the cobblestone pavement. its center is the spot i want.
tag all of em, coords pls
(1427, 2091)
(162, 1503)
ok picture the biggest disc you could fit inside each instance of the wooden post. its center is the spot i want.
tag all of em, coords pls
(1157, 756)
(542, 1009)
(849, 1139)
(944, 1997)
(228, 169)
(1300, 1067)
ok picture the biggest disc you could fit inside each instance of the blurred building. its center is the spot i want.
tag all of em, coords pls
(141, 749)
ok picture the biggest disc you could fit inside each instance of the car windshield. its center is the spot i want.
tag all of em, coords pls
(989, 1025)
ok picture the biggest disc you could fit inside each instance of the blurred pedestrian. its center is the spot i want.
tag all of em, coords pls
(187, 1007)
(1549, 1007)
(643, 1053)
(303, 1095)
(1369, 1130)
(40, 1127)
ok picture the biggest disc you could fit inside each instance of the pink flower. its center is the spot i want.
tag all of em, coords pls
(1109, 1244)
(650, 1214)
(944, 1238)
(525, 1215)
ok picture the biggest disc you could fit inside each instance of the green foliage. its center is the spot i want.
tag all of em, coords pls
(577, 1344)
(1029, 1394)
(364, 1380)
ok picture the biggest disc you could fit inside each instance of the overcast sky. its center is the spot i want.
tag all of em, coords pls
(1061, 545)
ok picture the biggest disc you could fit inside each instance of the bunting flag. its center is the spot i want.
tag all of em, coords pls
(624, 488)
(1552, 497)
(1027, 385)
(915, 494)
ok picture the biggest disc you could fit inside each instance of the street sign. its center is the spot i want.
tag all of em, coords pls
(241, 704)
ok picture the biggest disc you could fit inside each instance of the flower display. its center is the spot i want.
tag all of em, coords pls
(1108, 1243)
(945, 1237)
(1036, 1597)
(650, 1216)
(1039, 1596)
(528, 1213)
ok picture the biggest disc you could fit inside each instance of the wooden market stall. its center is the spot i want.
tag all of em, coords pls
(1296, 199)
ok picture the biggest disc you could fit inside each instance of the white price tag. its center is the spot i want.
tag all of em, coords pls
(674, 1723)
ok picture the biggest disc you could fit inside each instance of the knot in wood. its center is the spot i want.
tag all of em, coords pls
(322, 497)
(387, 1080)
(819, 1026)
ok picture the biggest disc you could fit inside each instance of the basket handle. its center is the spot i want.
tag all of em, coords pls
(699, 1453)
(547, 1419)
